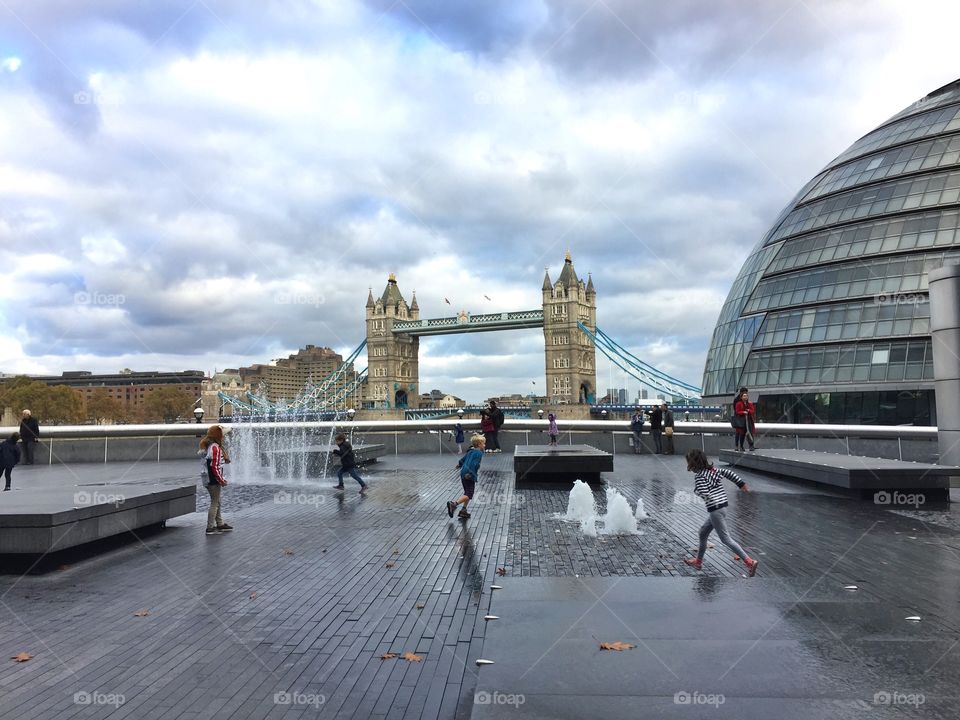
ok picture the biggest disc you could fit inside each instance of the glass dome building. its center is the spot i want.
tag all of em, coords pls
(828, 320)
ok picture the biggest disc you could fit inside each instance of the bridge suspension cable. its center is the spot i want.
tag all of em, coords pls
(637, 368)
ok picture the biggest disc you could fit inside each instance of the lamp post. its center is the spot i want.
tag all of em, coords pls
(603, 414)
(460, 414)
(198, 414)
(350, 413)
(540, 414)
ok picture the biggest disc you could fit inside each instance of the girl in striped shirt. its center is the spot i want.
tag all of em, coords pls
(708, 484)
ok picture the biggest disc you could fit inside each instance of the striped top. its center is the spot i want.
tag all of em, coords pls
(708, 484)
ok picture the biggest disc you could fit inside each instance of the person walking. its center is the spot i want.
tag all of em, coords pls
(668, 428)
(348, 463)
(29, 435)
(708, 485)
(458, 437)
(213, 458)
(636, 427)
(488, 429)
(552, 429)
(744, 413)
(469, 472)
(656, 429)
(496, 416)
(9, 457)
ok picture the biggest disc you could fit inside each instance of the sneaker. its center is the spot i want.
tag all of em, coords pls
(694, 563)
(463, 514)
(213, 531)
(751, 566)
(338, 487)
(751, 448)
(5, 489)
(224, 528)
(363, 489)
(451, 506)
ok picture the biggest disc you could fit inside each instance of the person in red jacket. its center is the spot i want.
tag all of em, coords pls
(213, 456)
(488, 428)
(746, 413)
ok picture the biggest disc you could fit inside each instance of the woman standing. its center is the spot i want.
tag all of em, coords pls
(744, 412)
(213, 457)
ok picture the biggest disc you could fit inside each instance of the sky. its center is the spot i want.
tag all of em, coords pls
(202, 184)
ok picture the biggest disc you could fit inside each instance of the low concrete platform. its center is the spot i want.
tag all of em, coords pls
(852, 472)
(38, 520)
(314, 459)
(563, 463)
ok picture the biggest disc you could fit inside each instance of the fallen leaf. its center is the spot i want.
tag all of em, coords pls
(420, 606)
(736, 558)
(410, 657)
(324, 550)
(389, 565)
(287, 551)
(253, 596)
(141, 613)
(396, 552)
(22, 657)
(501, 571)
(388, 656)
(616, 646)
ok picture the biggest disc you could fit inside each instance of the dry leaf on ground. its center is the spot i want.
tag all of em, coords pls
(411, 657)
(616, 646)
(389, 565)
(22, 657)
(253, 596)
(501, 571)
(287, 551)
(141, 613)
(420, 606)
(388, 656)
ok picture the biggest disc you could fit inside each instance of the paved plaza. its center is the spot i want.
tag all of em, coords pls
(291, 614)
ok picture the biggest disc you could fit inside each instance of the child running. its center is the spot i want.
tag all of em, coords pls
(708, 484)
(469, 470)
(348, 463)
(553, 429)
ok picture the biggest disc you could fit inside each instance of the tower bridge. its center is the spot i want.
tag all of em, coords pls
(391, 380)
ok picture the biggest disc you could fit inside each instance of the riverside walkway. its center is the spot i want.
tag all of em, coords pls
(307, 608)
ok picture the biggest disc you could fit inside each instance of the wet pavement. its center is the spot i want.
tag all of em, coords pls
(291, 614)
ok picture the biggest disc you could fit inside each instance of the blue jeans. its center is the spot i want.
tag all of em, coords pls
(657, 442)
(353, 473)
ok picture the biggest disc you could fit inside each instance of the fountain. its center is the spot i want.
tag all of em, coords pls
(641, 513)
(582, 508)
(619, 519)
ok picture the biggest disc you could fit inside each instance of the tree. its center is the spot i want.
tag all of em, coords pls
(167, 403)
(49, 404)
(101, 406)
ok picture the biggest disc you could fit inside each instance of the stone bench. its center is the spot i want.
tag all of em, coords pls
(852, 472)
(47, 519)
(562, 463)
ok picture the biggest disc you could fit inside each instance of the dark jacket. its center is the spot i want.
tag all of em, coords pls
(636, 422)
(347, 458)
(656, 419)
(668, 419)
(497, 417)
(29, 430)
(458, 433)
(9, 454)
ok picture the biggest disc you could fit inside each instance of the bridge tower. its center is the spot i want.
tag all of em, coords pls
(392, 360)
(571, 371)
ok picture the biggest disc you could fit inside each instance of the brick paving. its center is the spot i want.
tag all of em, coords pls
(314, 586)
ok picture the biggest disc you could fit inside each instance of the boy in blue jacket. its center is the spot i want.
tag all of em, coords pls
(469, 470)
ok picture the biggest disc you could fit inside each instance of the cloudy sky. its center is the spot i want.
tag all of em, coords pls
(200, 184)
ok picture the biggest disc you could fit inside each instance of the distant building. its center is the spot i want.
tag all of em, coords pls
(127, 387)
(226, 381)
(516, 399)
(436, 398)
(287, 377)
(617, 396)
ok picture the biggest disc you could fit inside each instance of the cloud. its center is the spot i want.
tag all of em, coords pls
(240, 174)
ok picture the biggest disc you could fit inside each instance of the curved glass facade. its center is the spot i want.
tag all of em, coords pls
(828, 319)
